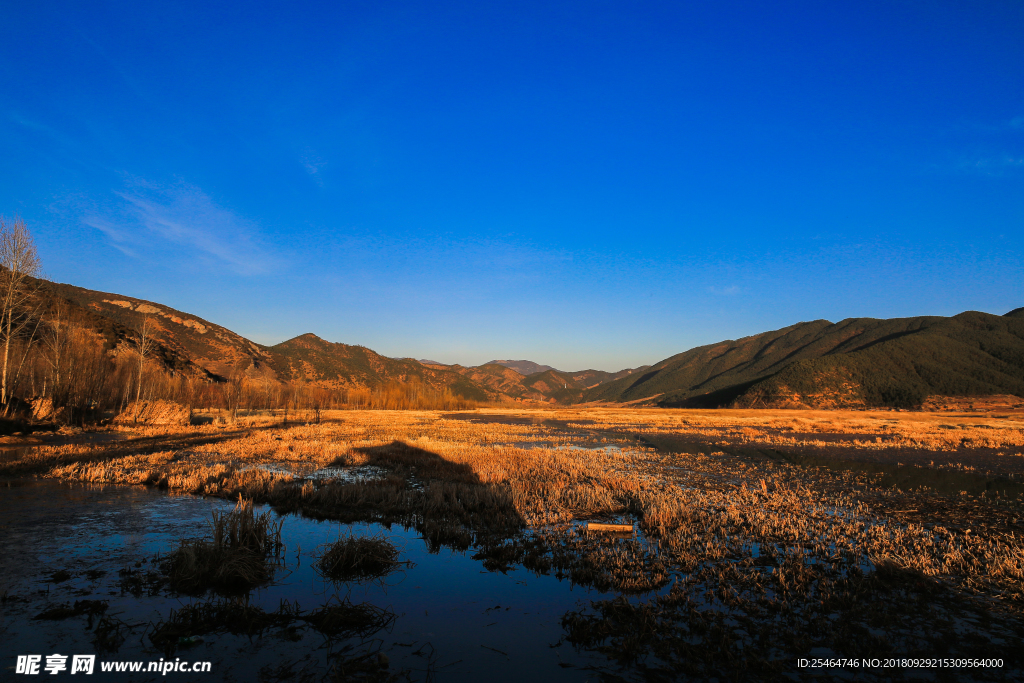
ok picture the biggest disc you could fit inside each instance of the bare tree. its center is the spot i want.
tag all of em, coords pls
(19, 262)
(143, 347)
(55, 340)
(234, 389)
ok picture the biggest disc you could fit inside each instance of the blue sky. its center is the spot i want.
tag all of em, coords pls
(585, 184)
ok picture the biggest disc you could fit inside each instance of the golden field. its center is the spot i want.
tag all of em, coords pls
(752, 526)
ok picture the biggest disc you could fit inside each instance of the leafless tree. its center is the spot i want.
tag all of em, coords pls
(234, 389)
(19, 263)
(266, 379)
(143, 348)
(55, 339)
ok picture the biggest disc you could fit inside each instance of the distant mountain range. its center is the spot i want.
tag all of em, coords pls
(189, 344)
(523, 367)
(858, 362)
(852, 363)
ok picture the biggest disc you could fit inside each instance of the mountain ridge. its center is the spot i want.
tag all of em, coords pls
(857, 362)
(187, 343)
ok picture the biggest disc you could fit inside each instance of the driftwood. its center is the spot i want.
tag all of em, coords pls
(615, 528)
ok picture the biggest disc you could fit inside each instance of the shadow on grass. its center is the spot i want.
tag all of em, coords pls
(423, 464)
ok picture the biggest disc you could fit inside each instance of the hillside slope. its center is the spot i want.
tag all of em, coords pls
(187, 343)
(856, 362)
(971, 354)
(508, 379)
(311, 359)
(185, 340)
(592, 378)
(501, 379)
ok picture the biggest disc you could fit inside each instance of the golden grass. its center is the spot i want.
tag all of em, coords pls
(240, 553)
(357, 558)
(154, 413)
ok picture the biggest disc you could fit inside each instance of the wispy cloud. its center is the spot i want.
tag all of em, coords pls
(312, 163)
(993, 165)
(724, 291)
(115, 235)
(151, 218)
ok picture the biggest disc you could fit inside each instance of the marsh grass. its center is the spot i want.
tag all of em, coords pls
(336, 620)
(356, 558)
(110, 633)
(241, 553)
(223, 616)
(746, 555)
(345, 619)
(140, 582)
(369, 666)
(90, 608)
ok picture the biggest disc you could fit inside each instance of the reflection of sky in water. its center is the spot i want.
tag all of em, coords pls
(446, 599)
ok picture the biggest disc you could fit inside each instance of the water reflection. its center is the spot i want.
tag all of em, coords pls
(452, 617)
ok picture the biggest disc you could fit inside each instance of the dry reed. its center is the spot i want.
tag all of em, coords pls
(357, 558)
(240, 555)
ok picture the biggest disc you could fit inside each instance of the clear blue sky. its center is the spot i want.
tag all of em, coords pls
(585, 184)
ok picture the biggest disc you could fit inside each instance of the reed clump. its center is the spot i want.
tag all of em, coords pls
(154, 413)
(336, 619)
(88, 608)
(371, 666)
(357, 558)
(241, 553)
(189, 622)
(345, 619)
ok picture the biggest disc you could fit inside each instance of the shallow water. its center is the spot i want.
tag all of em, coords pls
(452, 616)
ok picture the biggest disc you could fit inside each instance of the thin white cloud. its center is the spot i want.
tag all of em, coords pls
(312, 163)
(116, 236)
(153, 218)
(994, 165)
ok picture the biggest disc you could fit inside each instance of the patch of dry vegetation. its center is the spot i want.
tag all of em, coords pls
(240, 554)
(337, 619)
(357, 558)
(986, 443)
(154, 413)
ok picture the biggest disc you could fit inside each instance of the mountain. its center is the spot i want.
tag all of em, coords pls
(585, 378)
(856, 362)
(502, 380)
(557, 386)
(523, 367)
(543, 384)
(591, 378)
(311, 359)
(185, 342)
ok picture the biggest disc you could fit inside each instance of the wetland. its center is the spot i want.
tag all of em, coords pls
(450, 546)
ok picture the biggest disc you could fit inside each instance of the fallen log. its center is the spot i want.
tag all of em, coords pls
(615, 528)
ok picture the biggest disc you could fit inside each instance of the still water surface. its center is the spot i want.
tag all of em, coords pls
(452, 616)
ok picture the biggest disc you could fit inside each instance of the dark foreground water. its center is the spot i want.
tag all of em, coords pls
(454, 621)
